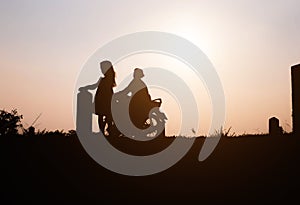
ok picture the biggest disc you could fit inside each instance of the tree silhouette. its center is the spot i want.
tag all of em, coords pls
(9, 122)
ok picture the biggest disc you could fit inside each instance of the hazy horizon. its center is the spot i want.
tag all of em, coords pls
(252, 45)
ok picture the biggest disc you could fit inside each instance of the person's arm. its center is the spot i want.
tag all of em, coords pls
(91, 87)
(126, 90)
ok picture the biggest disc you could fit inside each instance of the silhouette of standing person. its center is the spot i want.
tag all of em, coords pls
(103, 97)
(140, 99)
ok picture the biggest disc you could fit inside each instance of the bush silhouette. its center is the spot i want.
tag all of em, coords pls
(9, 122)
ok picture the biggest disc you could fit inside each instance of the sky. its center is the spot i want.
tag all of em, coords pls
(252, 45)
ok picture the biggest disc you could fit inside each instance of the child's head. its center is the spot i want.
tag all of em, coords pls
(106, 67)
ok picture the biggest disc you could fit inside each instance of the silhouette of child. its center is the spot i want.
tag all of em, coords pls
(103, 97)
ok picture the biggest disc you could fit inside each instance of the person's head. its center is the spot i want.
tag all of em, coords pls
(138, 73)
(106, 68)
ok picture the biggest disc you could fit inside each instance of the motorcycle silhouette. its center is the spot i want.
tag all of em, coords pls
(144, 119)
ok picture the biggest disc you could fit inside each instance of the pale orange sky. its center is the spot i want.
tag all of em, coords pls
(252, 45)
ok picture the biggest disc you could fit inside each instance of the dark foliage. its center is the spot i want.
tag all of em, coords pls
(10, 122)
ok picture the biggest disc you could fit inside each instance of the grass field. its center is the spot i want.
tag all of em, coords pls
(54, 168)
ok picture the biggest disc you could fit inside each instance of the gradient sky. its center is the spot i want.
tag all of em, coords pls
(252, 45)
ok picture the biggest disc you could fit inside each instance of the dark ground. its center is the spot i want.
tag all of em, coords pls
(243, 170)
